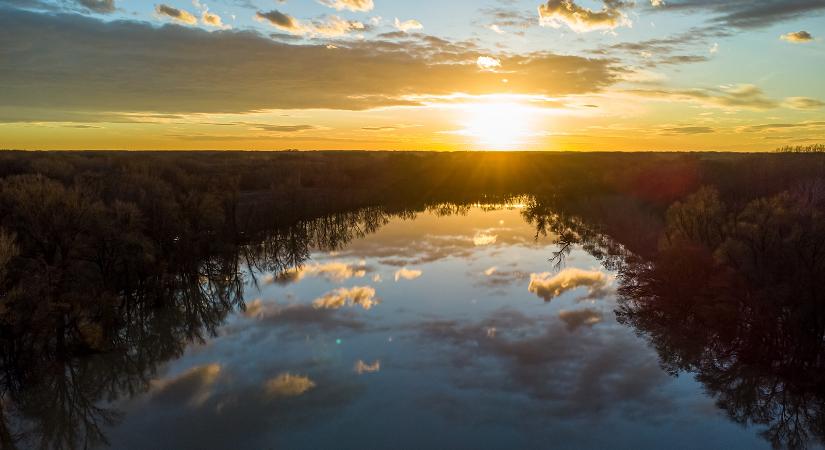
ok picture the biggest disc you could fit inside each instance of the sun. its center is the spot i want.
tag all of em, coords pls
(498, 125)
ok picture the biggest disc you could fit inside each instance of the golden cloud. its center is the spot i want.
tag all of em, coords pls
(797, 37)
(212, 20)
(556, 13)
(351, 5)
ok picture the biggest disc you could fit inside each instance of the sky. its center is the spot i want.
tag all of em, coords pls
(735, 75)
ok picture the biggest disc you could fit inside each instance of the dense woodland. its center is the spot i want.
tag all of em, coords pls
(111, 263)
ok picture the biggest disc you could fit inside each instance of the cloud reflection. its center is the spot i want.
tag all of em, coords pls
(363, 296)
(361, 367)
(407, 274)
(481, 239)
(549, 286)
(581, 317)
(334, 271)
(288, 385)
(191, 387)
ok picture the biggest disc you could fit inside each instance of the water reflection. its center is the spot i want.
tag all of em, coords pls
(734, 295)
(487, 324)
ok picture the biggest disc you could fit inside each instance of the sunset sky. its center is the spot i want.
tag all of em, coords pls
(412, 75)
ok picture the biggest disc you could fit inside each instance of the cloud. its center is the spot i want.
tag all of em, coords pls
(191, 387)
(481, 239)
(653, 52)
(254, 308)
(288, 385)
(361, 367)
(747, 13)
(495, 277)
(567, 375)
(281, 21)
(742, 96)
(329, 27)
(674, 131)
(297, 318)
(407, 274)
(780, 126)
(263, 74)
(556, 13)
(334, 271)
(98, 6)
(176, 14)
(797, 37)
(581, 317)
(549, 286)
(335, 26)
(488, 63)
(212, 20)
(351, 5)
(502, 20)
(803, 103)
(363, 296)
(408, 25)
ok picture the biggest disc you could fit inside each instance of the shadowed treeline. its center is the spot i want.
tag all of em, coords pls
(111, 263)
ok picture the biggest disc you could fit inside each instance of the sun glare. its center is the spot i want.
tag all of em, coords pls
(499, 125)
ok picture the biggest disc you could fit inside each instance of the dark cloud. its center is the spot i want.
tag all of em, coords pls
(234, 407)
(508, 20)
(37, 5)
(682, 59)
(190, 387)
(748, 13)
(781, 126)
(298, 318)
(49, 64)
(668, 50)
(571, 375)
(279, 19)
(98, 6)
(285, 128)
(745, 96)
(176, 14)
(675, 131)
(578, 318)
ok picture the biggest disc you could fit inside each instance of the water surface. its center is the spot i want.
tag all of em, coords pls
(440, 330)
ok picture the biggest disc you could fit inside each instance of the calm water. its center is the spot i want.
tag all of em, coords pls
(439, 330)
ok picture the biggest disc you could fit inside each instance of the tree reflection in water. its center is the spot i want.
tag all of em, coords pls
(104, 278)
(734, 296)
